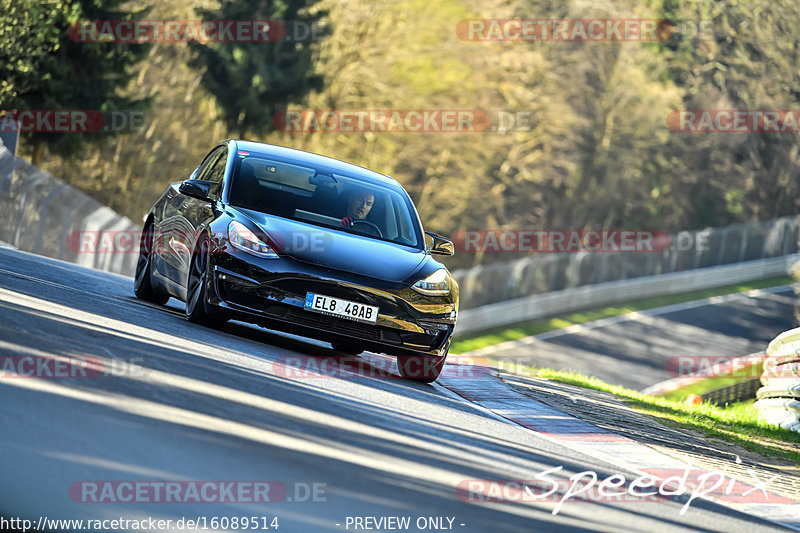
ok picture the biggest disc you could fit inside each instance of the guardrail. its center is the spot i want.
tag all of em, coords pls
(779, 397)
(688, 250)
(585, 297)
(38, 213)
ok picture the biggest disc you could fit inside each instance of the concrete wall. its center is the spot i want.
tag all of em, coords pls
(43, 215)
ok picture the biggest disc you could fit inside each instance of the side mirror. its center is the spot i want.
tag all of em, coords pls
(441, 245)
(196, 189)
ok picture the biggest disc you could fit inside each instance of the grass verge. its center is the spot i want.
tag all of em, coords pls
(715, 382)
(737, 423)
(534, 327)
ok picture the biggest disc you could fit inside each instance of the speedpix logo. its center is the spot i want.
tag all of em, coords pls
(652, 485)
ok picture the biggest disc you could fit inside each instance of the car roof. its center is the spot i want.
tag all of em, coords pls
(316, 160)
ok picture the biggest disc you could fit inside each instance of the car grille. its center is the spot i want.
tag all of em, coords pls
(342, 325)
(257, 300)
(299, 287)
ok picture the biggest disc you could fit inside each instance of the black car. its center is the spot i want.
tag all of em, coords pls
(306, 244)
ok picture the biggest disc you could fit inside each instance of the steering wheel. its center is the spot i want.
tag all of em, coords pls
(368, 223)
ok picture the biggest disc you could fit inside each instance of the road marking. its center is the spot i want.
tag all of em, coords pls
(641, 316)
(329, 448)
(60, 286)
(559, 427)
(488, 412)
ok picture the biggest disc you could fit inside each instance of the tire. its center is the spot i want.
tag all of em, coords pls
(783, 412)
(422, 368)
(347, 347)
(198, 310)
(142, 282)
(779, 373)
(786, 354)
(784, 388)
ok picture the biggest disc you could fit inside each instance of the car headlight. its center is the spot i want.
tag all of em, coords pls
(436, 284)
(245, 240)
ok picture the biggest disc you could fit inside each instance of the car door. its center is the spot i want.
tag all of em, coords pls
(176, 233)
(195, 214)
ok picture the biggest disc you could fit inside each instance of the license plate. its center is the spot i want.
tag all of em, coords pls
(329, 305)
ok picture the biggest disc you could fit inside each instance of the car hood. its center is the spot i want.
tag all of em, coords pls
(338, 250)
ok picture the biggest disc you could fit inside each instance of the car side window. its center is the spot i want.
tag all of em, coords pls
(207, 160)
(215, 171)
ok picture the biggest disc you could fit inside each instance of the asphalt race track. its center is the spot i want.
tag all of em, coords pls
(634, 350)
(169, 401)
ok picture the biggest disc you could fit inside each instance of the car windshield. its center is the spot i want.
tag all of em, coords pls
(323, 198)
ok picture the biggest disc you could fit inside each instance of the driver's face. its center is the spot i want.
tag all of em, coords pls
(359, 205)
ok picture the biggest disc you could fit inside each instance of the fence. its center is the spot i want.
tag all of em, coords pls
(690, 250)
(738, 392)
(39, 212)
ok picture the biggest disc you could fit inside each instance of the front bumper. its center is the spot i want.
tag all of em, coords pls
(272, 294)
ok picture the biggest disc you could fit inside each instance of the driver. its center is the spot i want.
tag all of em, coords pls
(358, 206)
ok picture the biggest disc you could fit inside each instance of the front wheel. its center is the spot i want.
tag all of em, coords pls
(198, 310)
(142, 283)
(422, 368)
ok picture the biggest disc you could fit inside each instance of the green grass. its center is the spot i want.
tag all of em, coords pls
(534, 327)
(715, 382)
(737, 423)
